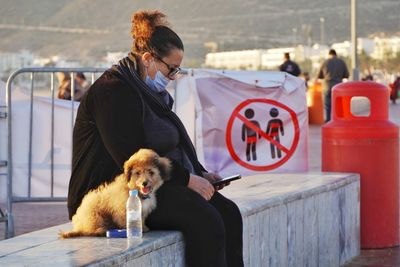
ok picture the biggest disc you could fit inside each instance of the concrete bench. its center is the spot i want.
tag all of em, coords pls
(289, 220)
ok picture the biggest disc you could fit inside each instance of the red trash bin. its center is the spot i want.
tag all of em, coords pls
(369, 146)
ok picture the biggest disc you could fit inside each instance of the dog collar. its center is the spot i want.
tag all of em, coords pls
(143, 197)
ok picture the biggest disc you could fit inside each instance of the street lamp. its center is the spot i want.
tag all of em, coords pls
(322, 29)
(354, 61)
(294, 30)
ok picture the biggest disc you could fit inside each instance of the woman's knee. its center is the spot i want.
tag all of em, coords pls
(228, 209)
(211, 226)
(185, 210)
(234, 210)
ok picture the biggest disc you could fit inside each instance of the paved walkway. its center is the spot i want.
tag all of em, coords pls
(34, 216)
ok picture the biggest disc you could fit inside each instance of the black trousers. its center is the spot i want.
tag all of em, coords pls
(213, 230)
(327, 90)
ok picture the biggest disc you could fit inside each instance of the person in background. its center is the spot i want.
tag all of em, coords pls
(80, 86)
(333, 71)
(367, 77)
(129, 108)
(289, 66)
(395, 89)
(80, 78)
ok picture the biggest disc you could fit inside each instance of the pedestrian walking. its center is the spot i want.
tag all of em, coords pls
(333, 71)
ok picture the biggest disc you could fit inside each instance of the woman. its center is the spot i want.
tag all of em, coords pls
(128, 108)
(64, 90)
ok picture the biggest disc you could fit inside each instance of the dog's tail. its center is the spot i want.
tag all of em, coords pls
(73, 234)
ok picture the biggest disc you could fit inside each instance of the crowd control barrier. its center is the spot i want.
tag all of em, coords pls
(24, 164)
(368, 145)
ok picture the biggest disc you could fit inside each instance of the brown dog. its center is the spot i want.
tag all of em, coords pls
(104, 208)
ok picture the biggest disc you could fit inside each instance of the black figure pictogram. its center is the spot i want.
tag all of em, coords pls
(250, 136)
(274, 127)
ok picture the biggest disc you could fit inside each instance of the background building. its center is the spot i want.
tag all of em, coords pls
(386, 48)
(236, 60)
(309, 58)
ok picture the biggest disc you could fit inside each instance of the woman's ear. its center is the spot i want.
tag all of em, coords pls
(146, 59)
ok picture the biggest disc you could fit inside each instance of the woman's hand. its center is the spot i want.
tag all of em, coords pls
(201, 186)
(211, 177)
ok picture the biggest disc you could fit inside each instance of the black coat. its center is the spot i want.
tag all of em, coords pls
(290, 67)
(109, 129)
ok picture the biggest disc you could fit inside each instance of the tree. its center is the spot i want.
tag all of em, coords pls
(366, 62)
(306, 65)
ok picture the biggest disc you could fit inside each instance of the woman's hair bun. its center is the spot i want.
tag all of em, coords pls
(151, 33)
(145, 22)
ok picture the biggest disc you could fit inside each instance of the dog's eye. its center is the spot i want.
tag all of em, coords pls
(151, 172)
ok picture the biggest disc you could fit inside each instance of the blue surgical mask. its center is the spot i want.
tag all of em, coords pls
(159, 83)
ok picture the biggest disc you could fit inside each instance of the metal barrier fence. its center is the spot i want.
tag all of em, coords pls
(8, 216)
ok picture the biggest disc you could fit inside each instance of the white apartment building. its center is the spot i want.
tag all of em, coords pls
(386, 47)
(236, 60)
(13, 61)
(378, 48)
(265, 59)
(274, 57)
(343, 49)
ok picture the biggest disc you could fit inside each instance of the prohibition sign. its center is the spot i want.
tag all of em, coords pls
(288, 151)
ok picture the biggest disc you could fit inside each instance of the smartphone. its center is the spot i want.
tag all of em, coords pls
(226, 179)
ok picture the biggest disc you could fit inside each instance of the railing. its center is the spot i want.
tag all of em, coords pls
(8, 216)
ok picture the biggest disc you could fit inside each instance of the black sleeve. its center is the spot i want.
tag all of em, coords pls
(117, 113)
(179, 175)
(297, 70)
(202, 168)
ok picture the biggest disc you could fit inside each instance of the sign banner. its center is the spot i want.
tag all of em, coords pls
(249, 122)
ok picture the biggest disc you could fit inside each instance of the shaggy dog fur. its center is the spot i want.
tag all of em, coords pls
(105, 207)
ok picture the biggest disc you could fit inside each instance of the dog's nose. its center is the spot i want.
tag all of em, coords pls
(145, 183)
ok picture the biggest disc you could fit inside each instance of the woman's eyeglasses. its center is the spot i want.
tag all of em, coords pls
(173, 71)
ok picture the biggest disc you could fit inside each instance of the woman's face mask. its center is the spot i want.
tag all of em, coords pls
(159, 83)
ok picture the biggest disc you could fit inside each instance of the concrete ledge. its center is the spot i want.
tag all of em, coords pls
(289, 220)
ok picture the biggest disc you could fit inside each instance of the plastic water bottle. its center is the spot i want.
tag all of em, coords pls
(133, 216)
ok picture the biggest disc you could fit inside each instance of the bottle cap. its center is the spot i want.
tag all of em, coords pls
(116, 233)
(133, 193)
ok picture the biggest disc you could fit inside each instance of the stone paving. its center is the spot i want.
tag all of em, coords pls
(34, 216)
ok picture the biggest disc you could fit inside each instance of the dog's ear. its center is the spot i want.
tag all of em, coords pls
(164, 165)
(128, 166)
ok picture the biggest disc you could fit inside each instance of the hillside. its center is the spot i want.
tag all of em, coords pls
(233, 24)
